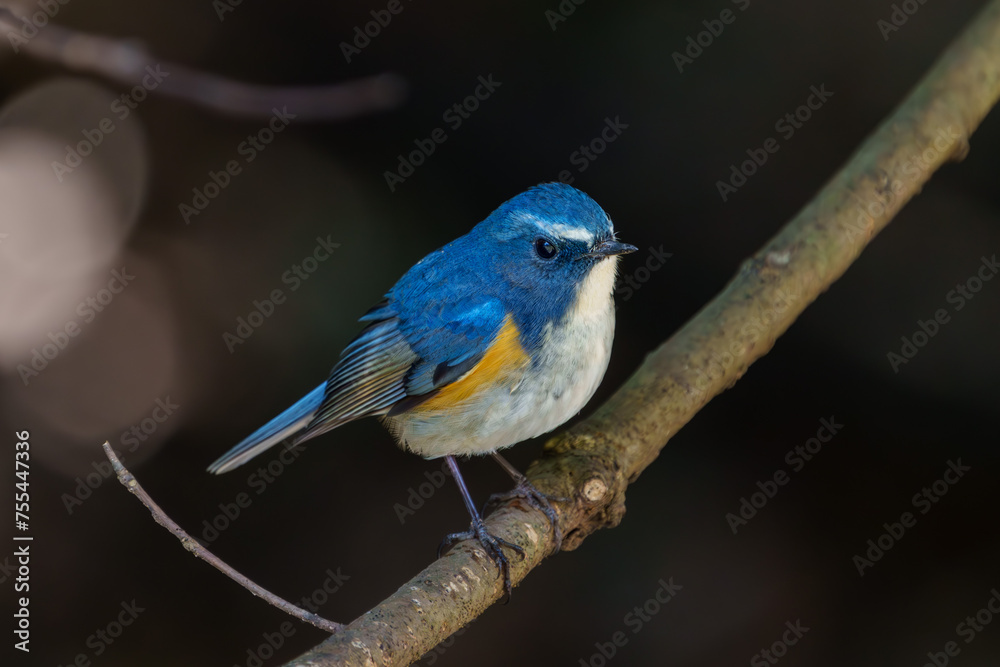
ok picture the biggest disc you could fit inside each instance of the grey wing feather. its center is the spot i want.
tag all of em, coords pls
(369, 378)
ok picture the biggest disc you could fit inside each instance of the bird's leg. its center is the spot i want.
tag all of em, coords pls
(491, 543)
(525, 490)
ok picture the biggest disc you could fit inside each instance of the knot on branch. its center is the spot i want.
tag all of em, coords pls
(584, 470)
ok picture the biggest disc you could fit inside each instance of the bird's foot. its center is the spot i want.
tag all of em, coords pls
(528, 492)
(492, 544)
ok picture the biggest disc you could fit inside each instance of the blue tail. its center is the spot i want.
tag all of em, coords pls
(284, 425)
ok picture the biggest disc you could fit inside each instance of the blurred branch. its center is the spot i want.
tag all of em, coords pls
(129, 482)
(128, 62)
(594, 462)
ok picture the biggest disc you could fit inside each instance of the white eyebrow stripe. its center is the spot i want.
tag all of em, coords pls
(559, 229)
(567, 232)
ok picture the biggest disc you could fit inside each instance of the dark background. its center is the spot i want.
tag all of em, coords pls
(334, 507)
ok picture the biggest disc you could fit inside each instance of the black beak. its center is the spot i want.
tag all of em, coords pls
(609, 248)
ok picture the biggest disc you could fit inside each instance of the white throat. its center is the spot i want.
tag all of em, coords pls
(595, 292)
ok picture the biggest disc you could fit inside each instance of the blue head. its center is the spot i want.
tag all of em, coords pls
(553, 248)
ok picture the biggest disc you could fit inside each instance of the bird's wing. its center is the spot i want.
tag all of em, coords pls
(405, 355)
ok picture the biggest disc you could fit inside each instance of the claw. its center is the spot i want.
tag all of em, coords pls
(493, 546)
(526, 491)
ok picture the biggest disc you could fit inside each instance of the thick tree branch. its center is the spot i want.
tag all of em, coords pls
(594, 462)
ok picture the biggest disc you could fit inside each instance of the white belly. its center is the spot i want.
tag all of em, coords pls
(563, 377)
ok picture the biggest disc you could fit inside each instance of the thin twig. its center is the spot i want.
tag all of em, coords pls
(594, 462)
(192, 545)
(128, 62)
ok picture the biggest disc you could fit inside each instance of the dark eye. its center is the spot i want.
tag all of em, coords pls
(545, 249)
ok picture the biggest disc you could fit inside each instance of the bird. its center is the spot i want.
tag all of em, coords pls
(500, 336)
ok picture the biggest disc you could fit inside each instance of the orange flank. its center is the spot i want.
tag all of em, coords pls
(502, 362)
